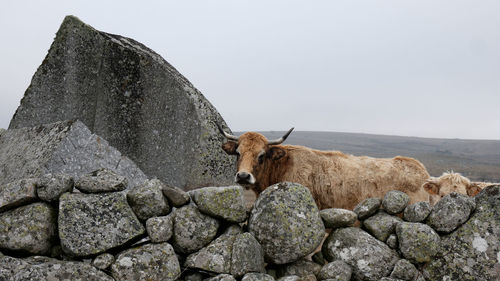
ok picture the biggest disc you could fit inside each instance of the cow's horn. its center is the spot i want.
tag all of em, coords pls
(228, 136)
(282, 139)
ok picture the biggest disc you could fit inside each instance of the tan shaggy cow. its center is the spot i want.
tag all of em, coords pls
(335, 179)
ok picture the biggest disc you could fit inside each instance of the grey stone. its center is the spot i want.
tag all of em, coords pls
(30, 228)
(103, 261)
(66, 147)
(101, 180)
(17, 193)
(225, 202)
(160, 229)
(192, 229)
(404, 270)
(395, 201)
(176, 196)
(310, 277)
(286, 222)
(472, 251)
(147, 200)
(233, 229)
(389, 279)
(450, 212)
(367, 207)
(129, 95)
(247, 255)
(193, 276)
(290, 278)
(334, 218)
(299, 268)
(381, 225)
(222, 277)
(257, 277)
(90, 224)
(417, 212)
(51, 186)
(417, 242)
(336, 270)
(216, 257)
(147, 262)
(369, 258)
(43, 268)
(392, 241)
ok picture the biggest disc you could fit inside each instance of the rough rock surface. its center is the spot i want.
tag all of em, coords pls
(226, 202)
(404, 270)
(392, 241)
(51, 186)
(132, 97)
(17, 193)
(381, 225)
(334, 218)
(257, 277)
(66, 147)
(450, 212)
(176, 196)
(395, 201)
(417, 242)
(192, 229)
(369, 258)
(147, 262)
(367, 207)
(101, 180)
(336, 270)
(299, 268)
(286, 222)
(216, 257)
(222, 277)
(30, 228)
(93, 223)
(103, 261)
(472, 251)
(160, 229)
(43, 268)
(247, 255)
(290, 278)
(417, 212)
(147, 200)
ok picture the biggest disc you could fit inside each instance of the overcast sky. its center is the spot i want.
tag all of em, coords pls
(413, 68)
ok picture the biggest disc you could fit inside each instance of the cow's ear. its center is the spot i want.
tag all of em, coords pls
(473, 189)
(230, 147)
(431, 186)
(276, 153)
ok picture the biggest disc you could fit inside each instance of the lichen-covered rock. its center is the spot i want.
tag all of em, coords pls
(392, 241)
(17, 193)
(160, 229)
(381, 225)
(226, 202)
(247, 255)
(101, 180)
(395, 201)
(90, 224)
(257, 277)
(192, 229)
(147, 200)
(286, 222)
(335, 218)
(221, 277)
(289, 278)
(43, 268)
(233, 229)
(103, 261)
(404, 270)
(51, 186)
(367, 207)
(472, 251)
(192, 276)
(417, 212)
(369, 258)
(417, 242)
(147, 262)
(176, 196)
(336, 270)
(216, 257)
(389, 279)
(450, 212)
(299, 268)
(30, 228)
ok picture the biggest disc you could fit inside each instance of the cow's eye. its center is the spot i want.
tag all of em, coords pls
(261, 158)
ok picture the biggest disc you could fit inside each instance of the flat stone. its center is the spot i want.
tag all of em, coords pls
(417, 242)
(147, 262)
(247, 255)
(395, 202)
(367, 207)
(227, 203)
(257, 277)
(335, 218)
(160, 229)
(51, 186)
(417, 212)
(17, 193)
(404, 270)
(381, 225)
(147, 200)
(336, 270)
(450, 212)
(101, 180)
(90, 224)
(30, 229)
(103, 261)
(176, 196)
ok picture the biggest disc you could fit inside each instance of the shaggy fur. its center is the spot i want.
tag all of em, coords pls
(335, 179)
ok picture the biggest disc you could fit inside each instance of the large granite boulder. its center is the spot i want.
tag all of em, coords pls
(472, 251)
(286, 222)
(129, 95)
(90, 224)
(66, 147)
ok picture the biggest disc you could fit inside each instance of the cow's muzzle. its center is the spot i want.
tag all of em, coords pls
(244, 178)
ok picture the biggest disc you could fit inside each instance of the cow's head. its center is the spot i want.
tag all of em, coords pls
(256, 155)
(451, 182)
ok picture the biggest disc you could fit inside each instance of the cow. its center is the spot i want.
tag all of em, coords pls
(335, 179)
(450, 182)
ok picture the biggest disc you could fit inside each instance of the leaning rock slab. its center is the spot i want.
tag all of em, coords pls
(129, 95)
(369, 258)
(66, 147)
(93, 223)
(286, 222)
(450, 212)
(147, 262)
(30, 228)
(226, 202)
(417, 242)
(17, 193)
